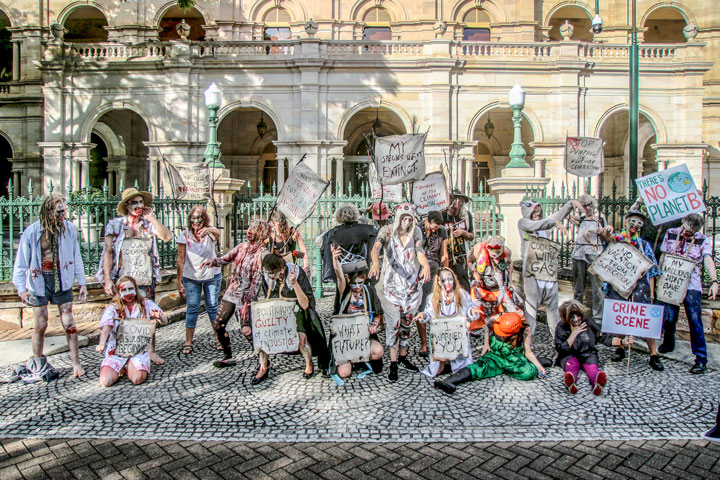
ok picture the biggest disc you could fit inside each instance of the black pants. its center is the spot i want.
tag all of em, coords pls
(225, 313)
(461, 271)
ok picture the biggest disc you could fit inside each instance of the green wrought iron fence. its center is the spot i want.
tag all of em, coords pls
(89, 209)
(250, 206)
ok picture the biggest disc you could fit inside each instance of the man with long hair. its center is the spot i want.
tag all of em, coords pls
(47, 264)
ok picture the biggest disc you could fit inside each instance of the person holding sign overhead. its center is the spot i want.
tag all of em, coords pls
(128, 302)
(688, 242)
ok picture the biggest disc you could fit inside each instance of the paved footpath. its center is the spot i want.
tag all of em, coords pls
(188, 417)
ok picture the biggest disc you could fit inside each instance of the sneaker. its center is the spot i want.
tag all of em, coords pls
(656, 364)
(712, 435)
(698, 368)
(619, 355)
(570, 383)
(406, 364)
(600, 381)
(393, 373)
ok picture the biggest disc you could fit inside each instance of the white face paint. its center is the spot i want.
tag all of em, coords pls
(127, 292)
(60, 212)
(135, 205)
(405, 223)
(196, 220)
(447, 281)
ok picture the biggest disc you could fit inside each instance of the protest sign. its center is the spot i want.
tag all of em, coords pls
(189, 181)
(135, 258)
(389, 193)
(642, 320)
(670, 194)
(133, 336)
(350, 338)
(621, 265)
(274, 327)
(671, 287)
(300, 193)
(449, 337)
(430, 193)
(400, 158)
(584, 156)
(543, 258)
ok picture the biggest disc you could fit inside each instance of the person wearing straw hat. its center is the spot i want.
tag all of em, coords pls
(458, 223)
(136, 227)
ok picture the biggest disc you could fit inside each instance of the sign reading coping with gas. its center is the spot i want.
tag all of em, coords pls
(670, 194)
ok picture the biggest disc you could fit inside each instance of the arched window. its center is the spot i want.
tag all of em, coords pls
(665, 25)
(86, 24)
(580, 20)
(276, 22)
(175, 16)
(6, 50)
(377, 15)
(378, 25)
(477, 26)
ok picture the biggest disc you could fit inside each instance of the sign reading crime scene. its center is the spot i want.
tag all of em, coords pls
(350, 338)
(133, 336)
(642, 320)
(135, 258)
(670, 194)
(449, 337)
(400, 158)
(621, 265)
(543, 258)
(274, 326)
(300, 193)
(430, 193)
(584, 156)
(672, 285)
(389, 193)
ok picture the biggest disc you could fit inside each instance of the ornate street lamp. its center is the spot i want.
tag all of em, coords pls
(517, 151)
(262, 126)
(212, 152)
(489, 128)
(377, 124)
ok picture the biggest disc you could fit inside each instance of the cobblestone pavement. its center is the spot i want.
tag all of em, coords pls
(129, 459)
(188, 399)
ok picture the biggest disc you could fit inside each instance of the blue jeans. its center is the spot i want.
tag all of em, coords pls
(693, 307)
(193, 294)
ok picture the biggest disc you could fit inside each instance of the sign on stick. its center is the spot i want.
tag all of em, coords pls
(133, 336)
(670, 194)
(543, 258)
(584, 156)
(189, 181)
(389, 193)
(350, 338)
(642, 320)
(274, 326)
(135, 256)
(671, 287)
(430, 193)
(300, 193)
(621, 265)
(449, 337)
(400, 158)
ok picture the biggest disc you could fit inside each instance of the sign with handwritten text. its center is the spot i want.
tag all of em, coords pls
(670, 194)
(672, 285)
(300, 193)
(584, 156)
(621, 265)
(135, 258)
(400, 158)
(449, 337)
(350, 338)
(274, 326)
(543, 259)
(389, 193)
(430, 193)
(133, 336)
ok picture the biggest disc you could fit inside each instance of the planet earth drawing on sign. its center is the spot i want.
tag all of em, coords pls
(680, 182)
(656, 312)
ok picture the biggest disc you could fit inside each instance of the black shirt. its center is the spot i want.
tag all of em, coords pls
(433, 243)
(457, 246)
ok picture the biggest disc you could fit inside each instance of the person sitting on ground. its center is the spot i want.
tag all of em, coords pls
(448, 300)
(128, 302)
(510, 352)
(287, 242)
(575, 339)
(354, 294)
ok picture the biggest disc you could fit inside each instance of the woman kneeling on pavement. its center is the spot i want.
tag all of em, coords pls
(509, 351)
(127, 303)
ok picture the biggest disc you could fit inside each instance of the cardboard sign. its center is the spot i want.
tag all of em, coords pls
(449, 337)
(274, 326)
(642, 320)
(135, 258)
(671, 287)
(543, 258)
(300, 193)
(390, 193)
(133, 336)
(400, 158)
(584, 156)
(350, 338)
(430, 193)
(670, 194)
(621, 265)
(189, 181)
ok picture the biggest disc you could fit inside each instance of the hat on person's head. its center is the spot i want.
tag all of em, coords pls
(635, 213)
(129, 193)
(457, 193)
(508, 324)
(379, 211)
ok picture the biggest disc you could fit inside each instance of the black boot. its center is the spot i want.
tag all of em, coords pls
(376, 365)
(713, 435)
(450, 384)
(619, 355)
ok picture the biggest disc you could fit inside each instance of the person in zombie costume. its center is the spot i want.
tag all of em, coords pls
(244, 287)
(287, 280)
(47, 264)
(644, 290)
(448, 299)
(286, 241)
(136, 220)
(128, 302)
(540, 292)
(458, 223)
(510, 352)
(402, 283)
(435, 239)
(687, 241)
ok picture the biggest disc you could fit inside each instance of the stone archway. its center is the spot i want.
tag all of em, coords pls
(665, 25)
(85, 24)
(580, 19)
(6, 49)
(174, 16)
(6, 174)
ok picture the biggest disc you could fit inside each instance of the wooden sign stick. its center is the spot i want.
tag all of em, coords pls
(627, 372)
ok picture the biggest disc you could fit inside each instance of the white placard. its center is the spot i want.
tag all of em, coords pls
(449, 337)
(350, 338)
(133, 336)
(543, 258)
(274, 326)
(136, 261)
(584, 156)
(390, 193)
(189, 181)
(672, 285)
(400, 158)
(430, 193)
(300, 193)
(642, 320)
(621, 265)
(670, 194)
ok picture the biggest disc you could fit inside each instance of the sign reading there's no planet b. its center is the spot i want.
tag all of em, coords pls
(430, 193)
(300, 193)
(543, 259)
(670, 194)
(350, 338)
(584, 156)
(274, 326)
(621, 265)
(400, 158)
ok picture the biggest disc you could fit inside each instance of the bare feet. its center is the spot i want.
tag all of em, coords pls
(78, 370)
(155, 359)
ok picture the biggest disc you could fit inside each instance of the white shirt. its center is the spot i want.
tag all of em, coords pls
(195, 254)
